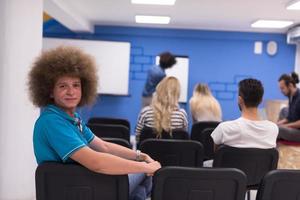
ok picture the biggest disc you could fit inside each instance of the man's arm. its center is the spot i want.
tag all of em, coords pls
(283, 121)
(295, 124)
(107, 147)
(110, 164)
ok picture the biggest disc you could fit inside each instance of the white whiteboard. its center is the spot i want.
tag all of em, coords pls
(112, 59)
(181, 71)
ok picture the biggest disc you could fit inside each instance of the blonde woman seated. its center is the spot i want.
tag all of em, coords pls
(164, 113)
(204, 106)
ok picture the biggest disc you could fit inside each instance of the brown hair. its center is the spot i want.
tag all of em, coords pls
(58, 62)
(292, 78)
(167, 60)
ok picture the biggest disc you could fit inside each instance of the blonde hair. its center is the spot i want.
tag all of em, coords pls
(203, 105)
(164, 102)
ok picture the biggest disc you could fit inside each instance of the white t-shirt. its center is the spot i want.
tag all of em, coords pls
(244, 133)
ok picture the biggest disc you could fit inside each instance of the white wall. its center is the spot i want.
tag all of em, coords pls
(20, 42)
(297, 60)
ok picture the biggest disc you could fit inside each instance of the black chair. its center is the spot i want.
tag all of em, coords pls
(110, 131)
(107, 120)
(170, 152)
(198, 127)
(119, 141)
(280, 185)
(57, 181)
(253, 161)
(148, 133)
(183, 183)
(207, 143)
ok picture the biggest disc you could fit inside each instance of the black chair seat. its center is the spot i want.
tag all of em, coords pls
(108, 120)
(208, 143)
(110, 131)
(253, 161)
(280, 185)
(174, 152)
(183, 183)
(57, 181)
(198, 127)
(149, 132)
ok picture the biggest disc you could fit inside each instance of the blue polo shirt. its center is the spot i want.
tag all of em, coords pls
(294, 107)
(154, 76)
(57, 135)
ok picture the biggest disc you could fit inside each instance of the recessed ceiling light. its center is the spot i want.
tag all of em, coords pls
(294, 5)
(271, 24)
(152, 19)
(154, 2)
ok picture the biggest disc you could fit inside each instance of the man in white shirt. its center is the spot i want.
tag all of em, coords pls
(248, 131)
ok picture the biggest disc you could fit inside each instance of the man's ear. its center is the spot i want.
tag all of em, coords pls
(240, 100)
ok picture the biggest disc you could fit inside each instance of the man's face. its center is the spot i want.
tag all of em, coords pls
(285, 90)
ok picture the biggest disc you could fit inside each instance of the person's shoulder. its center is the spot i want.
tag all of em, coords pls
(230, 124)
(270, 124)
(181, 110)
(49, 116)
(146, 109)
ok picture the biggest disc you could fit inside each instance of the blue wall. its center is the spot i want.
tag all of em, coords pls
(218, 58)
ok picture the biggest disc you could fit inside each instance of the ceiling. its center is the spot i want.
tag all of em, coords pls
(227, 15)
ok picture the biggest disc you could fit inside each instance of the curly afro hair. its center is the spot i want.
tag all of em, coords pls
(58, 62)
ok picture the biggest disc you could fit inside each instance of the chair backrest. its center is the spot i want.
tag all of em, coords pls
(183, 183)
(207, 143)
(149, 132)
(174, 152)
(107, 120)
(280, 185)
(118, 141)
(110, 131)
(198, 127)
(253, 161)
(57, 181)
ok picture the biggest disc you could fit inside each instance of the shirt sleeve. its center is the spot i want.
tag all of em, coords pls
(63, 138)
(217, 135)
(88, 134)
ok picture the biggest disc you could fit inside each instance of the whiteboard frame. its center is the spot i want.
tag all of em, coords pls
(112, 61)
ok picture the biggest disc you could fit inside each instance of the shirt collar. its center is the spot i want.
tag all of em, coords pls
(54, 109)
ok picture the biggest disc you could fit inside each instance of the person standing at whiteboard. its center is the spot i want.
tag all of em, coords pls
(155, 75)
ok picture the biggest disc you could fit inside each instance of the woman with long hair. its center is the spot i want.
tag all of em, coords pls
(164, 113)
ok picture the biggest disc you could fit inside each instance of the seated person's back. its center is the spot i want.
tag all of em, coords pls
(204, 106)
(245, 133)
(248, 131)
(164, 113)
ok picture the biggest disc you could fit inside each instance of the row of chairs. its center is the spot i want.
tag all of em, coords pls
(191, 153)
(120, 128)
(56, 181)
(255, 163)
